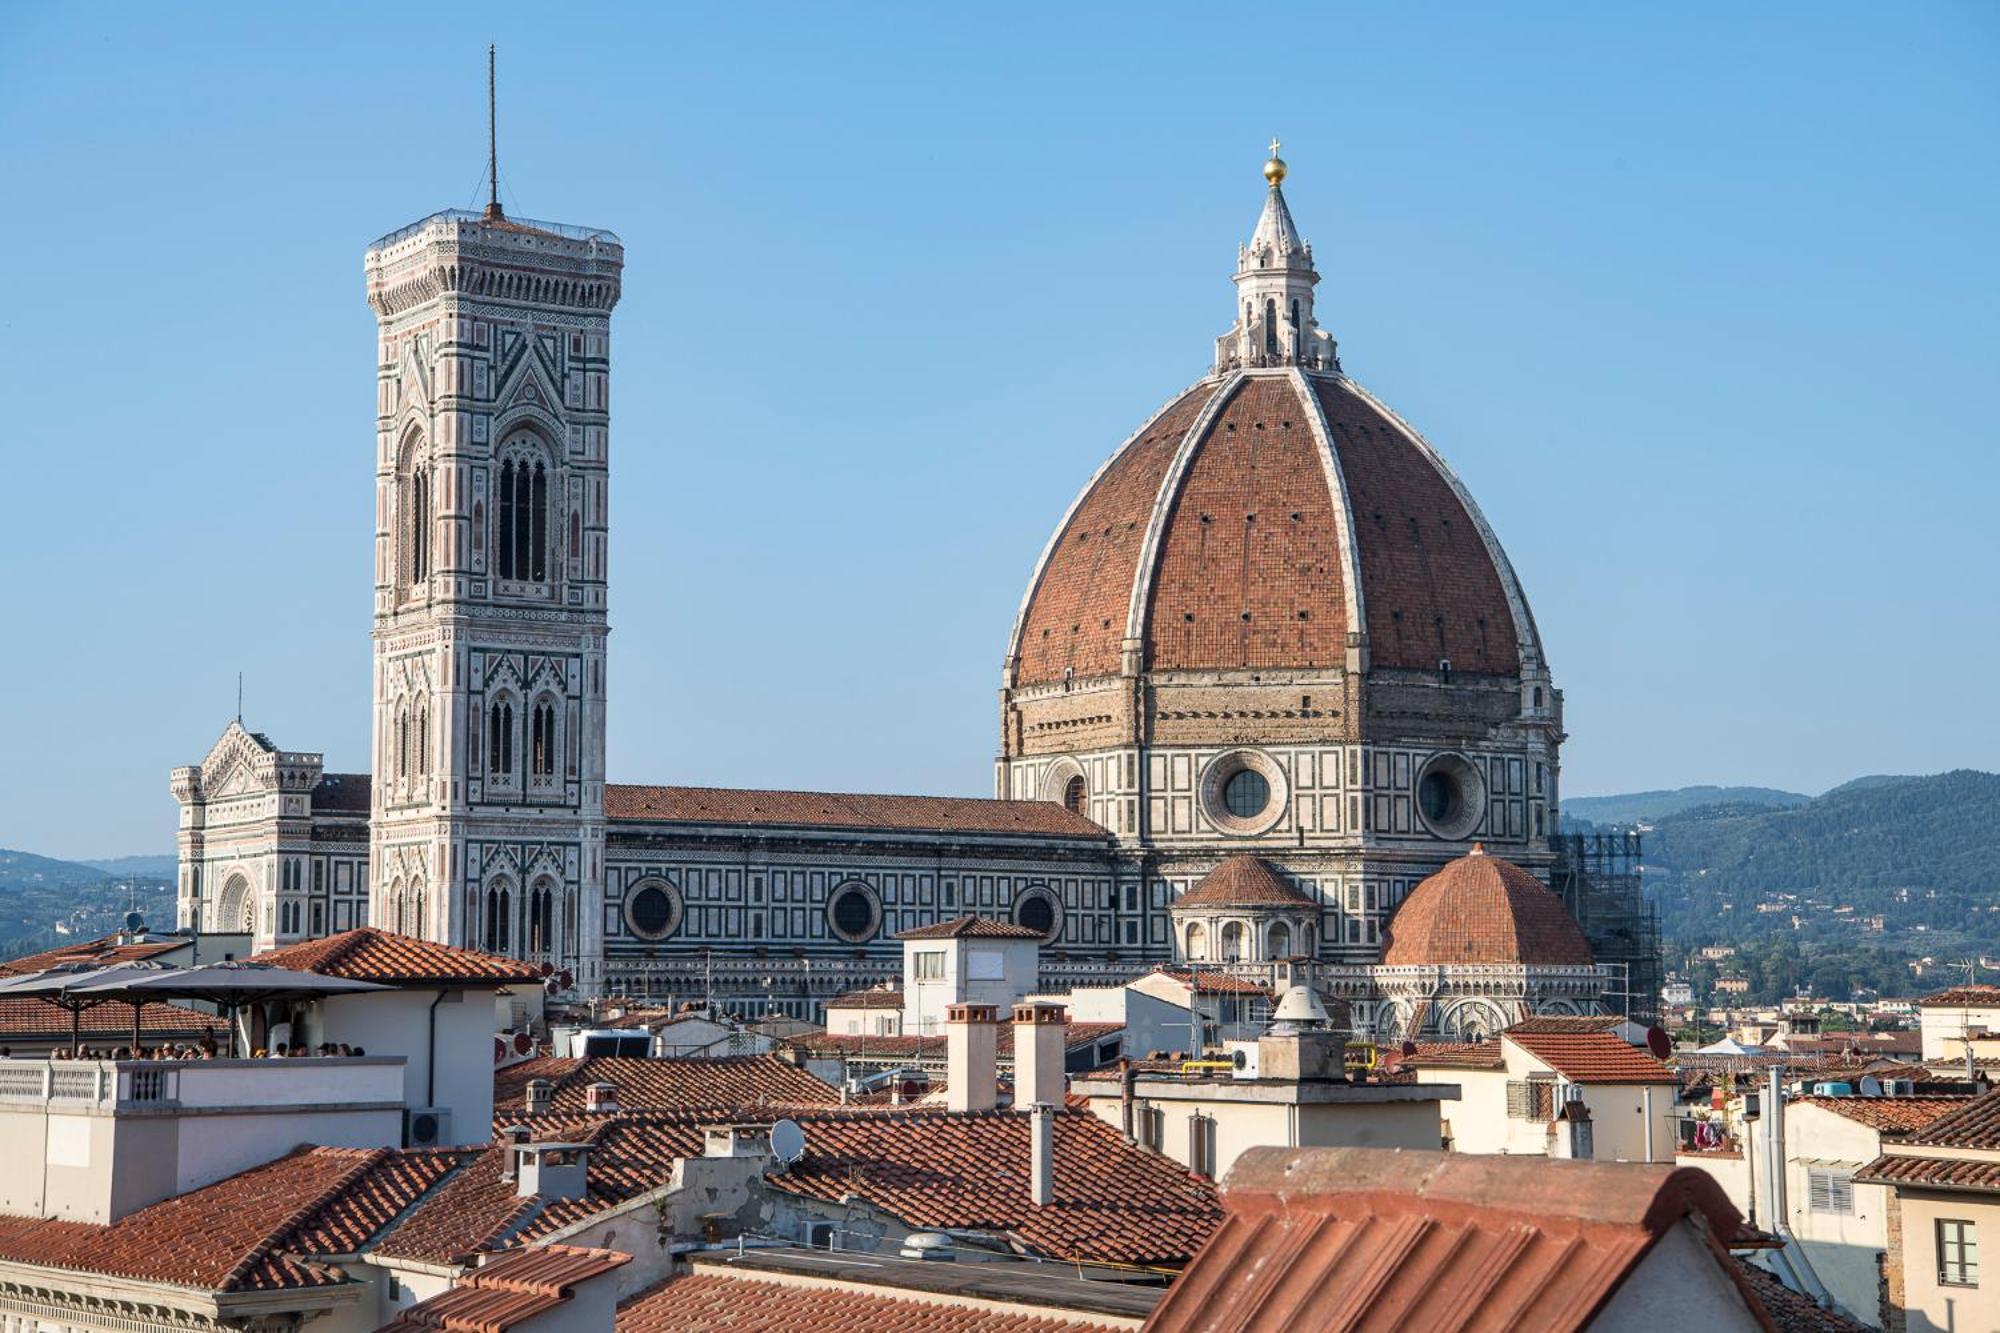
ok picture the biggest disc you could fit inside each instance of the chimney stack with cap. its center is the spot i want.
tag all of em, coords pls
(971, 1045)
(511, 1140)
(540, 1096)
(1042, 1147)
(601, 1098)
(1039, 1045)
(1571, 1131)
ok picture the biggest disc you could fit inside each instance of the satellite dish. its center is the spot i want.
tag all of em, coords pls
(1871, 1086)
(1409, 1048)
(1659, 1043)
(566, 980)
(523, 1043)
(788, 1141)
(548, 969)
(135, 922)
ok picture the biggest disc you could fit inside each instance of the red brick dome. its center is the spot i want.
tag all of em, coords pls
(1481, 909)
(1257, 521)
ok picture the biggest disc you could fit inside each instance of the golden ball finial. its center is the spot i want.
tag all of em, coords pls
(1274, 170)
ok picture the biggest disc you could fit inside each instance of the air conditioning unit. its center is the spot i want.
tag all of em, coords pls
(1243, 1056)
(1900, 1087)
(426, 1126)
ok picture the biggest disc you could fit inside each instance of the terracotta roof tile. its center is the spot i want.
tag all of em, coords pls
(1482, 909)
(1075, 615)
(1383, 1238)
(1215, 982)
(970, 927)
(709, 1302)
(104, 951)
(1963, 997)
(1429, 586)
(870, 997)
(647, 1084)
(26, 1019)
(1254, 497)
(1791, 1311)
(1900, 1168)
(508, 1291)
(1244, 881)
(1454, 1055)
(371, 954)
(1592, 1057)
(1973, 1125)
(1890, 1115)
(1568, 1023)
(1113, 1202)
(807, 809)
(257, 1230)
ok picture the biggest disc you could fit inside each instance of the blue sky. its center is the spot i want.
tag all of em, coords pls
(1699, 300)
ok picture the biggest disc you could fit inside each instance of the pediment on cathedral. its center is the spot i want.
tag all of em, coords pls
(240, 761)
(527, 385)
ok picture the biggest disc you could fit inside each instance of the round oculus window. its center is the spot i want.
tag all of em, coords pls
(653, 910)
(1038, 911)
(1450, 796)
(1243, 792)
(1246, 793)
(853, 912)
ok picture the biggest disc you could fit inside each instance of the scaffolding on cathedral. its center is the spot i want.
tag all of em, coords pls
(1597, 875)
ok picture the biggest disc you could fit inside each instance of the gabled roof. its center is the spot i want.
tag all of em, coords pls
(1454, 1055)
(1958, 1173)
(870, 997)
(970, 927)
(1210, 981)
(1592, 1057)
(1963, 997)
(1791, 1311)
(1114, 1202)
(26, 1019)
(1890, 1115)
(258, 1230)
(341, 794)
(1568, 1023)
(1244, 881)
(1482, 909)
(104, 951)
(1386, 1238)
(509, 1291)
(812, 809)
(646, 1084)
(744, 1304)
(372, 954)
(1976, 1124)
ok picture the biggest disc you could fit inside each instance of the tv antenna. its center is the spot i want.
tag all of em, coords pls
(492, 140)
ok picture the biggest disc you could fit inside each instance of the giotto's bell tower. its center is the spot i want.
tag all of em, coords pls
(492, 457)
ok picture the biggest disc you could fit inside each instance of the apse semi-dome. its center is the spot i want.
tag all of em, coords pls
(1483, 909)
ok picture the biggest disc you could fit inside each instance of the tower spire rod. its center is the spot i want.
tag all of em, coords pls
(492, 142)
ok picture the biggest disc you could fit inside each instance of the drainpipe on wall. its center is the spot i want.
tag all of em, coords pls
(431, 1061)
(1793, 1255)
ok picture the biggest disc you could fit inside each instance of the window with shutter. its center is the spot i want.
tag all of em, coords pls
(1829, 1191)
(1520, 1101)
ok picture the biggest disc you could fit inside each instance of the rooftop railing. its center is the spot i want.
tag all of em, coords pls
(565, 230)
(149, 1085)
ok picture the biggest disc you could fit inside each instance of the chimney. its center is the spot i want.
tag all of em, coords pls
(1571, 1132)
(1042, 1147)
(1039, 1045)
(601, 1098)
(972, 1038)
(552, 1170)
(511, 1139)
(541, 1095)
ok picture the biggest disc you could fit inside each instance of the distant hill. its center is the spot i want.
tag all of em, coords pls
(44, 901)
(1650, 806)
(159, 867)
(1847, 888)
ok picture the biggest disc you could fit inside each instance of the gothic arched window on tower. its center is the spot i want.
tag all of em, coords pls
(1270, 326)
(542, 740)
(541, 934)
(521, 540)
(500, 740)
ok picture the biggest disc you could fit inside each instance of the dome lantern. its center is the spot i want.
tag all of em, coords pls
(1274, 292)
